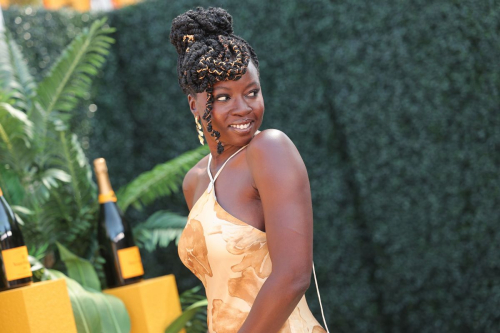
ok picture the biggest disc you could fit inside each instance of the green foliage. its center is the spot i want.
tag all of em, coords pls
(38, 146)
(94, 311)
(15, 78)
(164, 179)
(186, 316)
(198, 321)
(159, 230)
(43, 166)
(79, 269)
(71, 75)
(45, 171)
(393, 106)
(16, 132)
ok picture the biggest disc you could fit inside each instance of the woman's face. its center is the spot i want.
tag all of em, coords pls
(237, 112)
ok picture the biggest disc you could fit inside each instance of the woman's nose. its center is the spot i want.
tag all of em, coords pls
(241, 107)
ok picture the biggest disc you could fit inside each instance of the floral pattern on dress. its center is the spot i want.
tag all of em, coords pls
(242, 238)
(232, 260)
(245, 287)
(193, 250)
(225, 318)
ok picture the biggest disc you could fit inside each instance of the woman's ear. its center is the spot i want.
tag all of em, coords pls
(192, 105)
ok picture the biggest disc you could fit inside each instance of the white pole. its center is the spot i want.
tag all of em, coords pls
(101, 5)
(2, 24)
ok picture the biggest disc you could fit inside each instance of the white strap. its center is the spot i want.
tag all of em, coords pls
(212, 180)
(319, 297)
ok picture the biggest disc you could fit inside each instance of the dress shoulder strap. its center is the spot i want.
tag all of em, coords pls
(213, 179)
(319, 298)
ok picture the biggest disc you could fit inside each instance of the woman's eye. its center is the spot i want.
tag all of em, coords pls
(253, 93)
(222, 98)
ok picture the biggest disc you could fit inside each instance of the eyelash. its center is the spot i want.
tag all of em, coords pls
(256, 91)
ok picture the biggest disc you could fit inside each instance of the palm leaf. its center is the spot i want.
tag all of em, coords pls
(16, 133)
(67, 155)
(94, 311)
(198, 322)
(61, 220)
(74, 203)
(42, 165)
(79, 269)
(20, 210)
(114, 315)
(191, 296)
(15, 77)
(49, 177)
(70, 77)
(186, 316)
(11, 185)
(163, 180)
(16, 152)
(159, 230)
(87, 316)
(68, 214)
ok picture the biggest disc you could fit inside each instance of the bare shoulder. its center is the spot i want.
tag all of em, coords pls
(191, 180)
(272, 146)
(274, 161)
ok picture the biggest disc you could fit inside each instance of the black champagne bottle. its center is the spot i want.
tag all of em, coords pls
(16, 269)
(116, 244)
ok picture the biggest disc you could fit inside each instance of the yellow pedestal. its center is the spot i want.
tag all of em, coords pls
(80, 5)
(152, 304)
(42, 307)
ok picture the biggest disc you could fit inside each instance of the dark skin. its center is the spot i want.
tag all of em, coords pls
(266, 185)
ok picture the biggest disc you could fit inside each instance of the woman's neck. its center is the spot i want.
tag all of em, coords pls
(219, 159)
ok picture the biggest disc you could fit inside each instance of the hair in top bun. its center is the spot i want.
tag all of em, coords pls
(208, 52)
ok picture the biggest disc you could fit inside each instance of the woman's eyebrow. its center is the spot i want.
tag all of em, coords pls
(221, 87)
(226, 88)
(251, 83)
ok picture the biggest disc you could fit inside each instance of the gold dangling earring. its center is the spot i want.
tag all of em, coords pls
(199, 130)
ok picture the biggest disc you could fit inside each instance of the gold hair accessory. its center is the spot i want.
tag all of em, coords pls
(199, 130)
(190, 38)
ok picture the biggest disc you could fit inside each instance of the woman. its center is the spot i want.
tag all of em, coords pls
(259, 211)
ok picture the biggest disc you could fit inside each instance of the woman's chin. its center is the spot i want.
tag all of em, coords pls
(238, 141)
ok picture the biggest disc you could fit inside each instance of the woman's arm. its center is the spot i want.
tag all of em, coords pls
(281, 179)
(188, 187)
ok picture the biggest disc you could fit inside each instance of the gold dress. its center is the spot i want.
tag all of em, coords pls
(231, 259)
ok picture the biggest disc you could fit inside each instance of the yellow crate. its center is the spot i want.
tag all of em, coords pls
(152, 304)
(42, 307)
(80, 5)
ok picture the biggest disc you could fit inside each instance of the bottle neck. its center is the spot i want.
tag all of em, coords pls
(106, 193)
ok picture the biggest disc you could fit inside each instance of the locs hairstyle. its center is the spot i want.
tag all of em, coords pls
(208, 52)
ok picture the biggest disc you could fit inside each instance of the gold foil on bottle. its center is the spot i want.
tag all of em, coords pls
(106, 193)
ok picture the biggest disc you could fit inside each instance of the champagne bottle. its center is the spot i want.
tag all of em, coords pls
(116, 244)
(15, 267)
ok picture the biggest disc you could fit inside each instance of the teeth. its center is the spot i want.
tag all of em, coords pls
(241, 126)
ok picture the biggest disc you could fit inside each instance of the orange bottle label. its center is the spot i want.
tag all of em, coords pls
(130, 262)
(107, 197)
(16, 263)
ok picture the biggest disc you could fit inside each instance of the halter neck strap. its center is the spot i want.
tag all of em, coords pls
(213, 179)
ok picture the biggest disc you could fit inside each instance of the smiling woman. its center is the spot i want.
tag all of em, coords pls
(237, 111)
(251, 244)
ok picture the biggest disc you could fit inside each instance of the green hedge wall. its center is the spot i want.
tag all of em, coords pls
(394, 106)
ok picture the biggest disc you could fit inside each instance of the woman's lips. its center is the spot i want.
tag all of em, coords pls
(242, 128)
